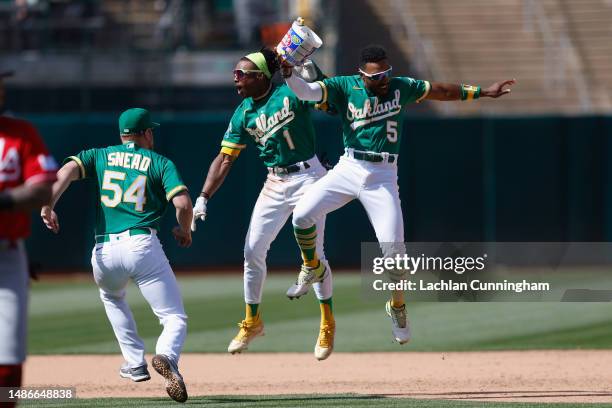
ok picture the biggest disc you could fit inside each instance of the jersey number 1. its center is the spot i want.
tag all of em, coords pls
(134, 194)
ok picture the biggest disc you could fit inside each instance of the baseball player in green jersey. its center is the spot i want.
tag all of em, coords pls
(370, 105)
(134, 185)
(279, 124)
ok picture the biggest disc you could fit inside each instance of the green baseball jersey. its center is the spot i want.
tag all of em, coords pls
(370, 123)
(134, 185)
(279, 124)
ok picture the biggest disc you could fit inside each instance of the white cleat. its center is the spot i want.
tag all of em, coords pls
(399, 323)
(325, 342)
(248, 332)
(307, 277)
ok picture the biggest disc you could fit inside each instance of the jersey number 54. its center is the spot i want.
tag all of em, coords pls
(135, 193)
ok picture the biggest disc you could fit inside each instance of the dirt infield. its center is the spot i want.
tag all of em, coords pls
(542, 376)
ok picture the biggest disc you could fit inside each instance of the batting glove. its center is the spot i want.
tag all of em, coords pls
(199, 211)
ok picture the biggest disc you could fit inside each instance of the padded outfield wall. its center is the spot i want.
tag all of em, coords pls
(474, 179)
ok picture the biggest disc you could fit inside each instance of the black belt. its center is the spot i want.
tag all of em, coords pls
(292, 168)
(372, 157)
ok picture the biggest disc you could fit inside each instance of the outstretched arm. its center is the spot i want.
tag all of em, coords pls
(25, 197)
(217, 172)
(66, 175)
(453, 92)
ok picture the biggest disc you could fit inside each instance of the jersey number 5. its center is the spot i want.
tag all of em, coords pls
(392, 131)
(134, 194)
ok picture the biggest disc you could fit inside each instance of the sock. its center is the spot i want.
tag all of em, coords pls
(252, 311)
(327, 312)
(307, 241)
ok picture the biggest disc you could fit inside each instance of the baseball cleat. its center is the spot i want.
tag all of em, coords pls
(325, 342)
(399, 323)
(175, 386)
(249, 330)
(136, 374)
(305, 279)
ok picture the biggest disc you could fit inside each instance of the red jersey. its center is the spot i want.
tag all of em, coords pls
(24, 159)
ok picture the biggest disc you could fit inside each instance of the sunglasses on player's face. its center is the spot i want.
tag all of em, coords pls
(377, 76)
(240, 74)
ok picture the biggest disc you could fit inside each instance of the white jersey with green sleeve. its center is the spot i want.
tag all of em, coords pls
(371, 123)
(279, 124)
(133, 186)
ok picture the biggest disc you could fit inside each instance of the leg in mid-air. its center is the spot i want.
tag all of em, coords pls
(382, 204)
(329, 193)
(323, 291)
(269, 215)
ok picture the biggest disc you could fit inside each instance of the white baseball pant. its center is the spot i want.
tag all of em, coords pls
(374, 184)
(14, 278)
(142, 259)
(276, 202)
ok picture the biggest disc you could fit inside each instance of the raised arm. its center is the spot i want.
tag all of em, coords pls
(304, 90)
(66, 175)
(454, 92)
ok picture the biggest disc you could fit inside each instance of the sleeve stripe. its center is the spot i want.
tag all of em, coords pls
(80, 163)
(427, 89)
(324, 89)
(230, 152)
(225, 143)
(175, 191)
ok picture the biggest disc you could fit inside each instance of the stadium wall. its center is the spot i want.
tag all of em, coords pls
(468, 179)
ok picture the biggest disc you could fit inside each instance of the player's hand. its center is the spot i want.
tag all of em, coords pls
(182, 237)
(199, 211)
(497, 89)
(285, 67)
(49, 217)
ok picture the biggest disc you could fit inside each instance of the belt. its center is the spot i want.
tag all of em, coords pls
(100, 239)
(292, 168)
(374, 157)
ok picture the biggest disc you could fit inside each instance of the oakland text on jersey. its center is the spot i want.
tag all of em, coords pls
(129, 161)
(267, 126)
(377, 112)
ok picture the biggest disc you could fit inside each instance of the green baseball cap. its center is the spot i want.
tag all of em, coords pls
(135, 120)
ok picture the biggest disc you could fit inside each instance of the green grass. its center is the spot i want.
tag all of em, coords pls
(68, 317)
(337, 400)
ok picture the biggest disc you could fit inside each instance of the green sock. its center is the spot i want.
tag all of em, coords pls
(327, 302)
(251, 310)
(307, 241)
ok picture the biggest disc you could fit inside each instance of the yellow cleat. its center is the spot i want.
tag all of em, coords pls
(325, 342)
(249, 329)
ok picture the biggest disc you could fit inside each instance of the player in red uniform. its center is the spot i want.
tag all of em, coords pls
(27, 172)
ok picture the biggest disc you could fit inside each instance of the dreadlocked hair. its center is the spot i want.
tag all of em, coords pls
(271, 59)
